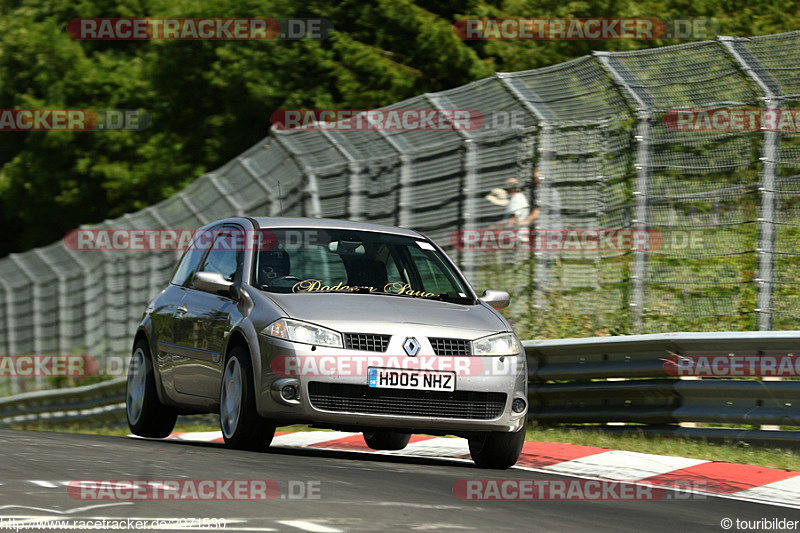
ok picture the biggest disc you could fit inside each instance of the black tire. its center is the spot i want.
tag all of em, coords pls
(147, 416)
(497, 450)
(386, 440)
(242, 427)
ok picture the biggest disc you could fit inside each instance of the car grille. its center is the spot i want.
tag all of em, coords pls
(366, 341)
(450, 346)
(369, 400)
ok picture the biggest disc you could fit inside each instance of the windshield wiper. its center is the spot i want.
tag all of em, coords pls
(444, 297)
(274, 288)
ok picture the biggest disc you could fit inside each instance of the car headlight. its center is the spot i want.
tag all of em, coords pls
(296, 331)
(496, 345)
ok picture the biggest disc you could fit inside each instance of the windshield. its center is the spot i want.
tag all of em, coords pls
(363, 262)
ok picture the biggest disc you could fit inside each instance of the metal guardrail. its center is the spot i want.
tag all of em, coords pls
(95, 402)
(590, 380)
(625, 380)
(639, 356)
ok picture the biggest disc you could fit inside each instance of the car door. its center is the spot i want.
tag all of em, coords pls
(167, 309)
(204, 322)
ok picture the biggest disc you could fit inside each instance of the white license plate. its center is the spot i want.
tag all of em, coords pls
(396, 378)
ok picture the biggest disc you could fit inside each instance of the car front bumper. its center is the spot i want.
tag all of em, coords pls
(332, 390)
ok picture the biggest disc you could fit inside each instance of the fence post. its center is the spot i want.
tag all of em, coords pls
(356, 189)
(404, 218)
(214, 182)
(61, 299)
(643, 167)
(769, 158)
(247, 165)
(36, 296)
(11, 341)
(769, 169)
(640, 223)
(310, 179)
(545, 164)
(468, 189)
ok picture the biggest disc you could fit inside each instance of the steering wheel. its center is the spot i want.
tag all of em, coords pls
(288, 278)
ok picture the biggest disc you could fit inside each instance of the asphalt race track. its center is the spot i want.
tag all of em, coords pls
(356, 492)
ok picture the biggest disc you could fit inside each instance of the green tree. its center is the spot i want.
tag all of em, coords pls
(211, 100)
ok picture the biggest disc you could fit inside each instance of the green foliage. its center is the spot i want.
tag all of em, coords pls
(211, 100)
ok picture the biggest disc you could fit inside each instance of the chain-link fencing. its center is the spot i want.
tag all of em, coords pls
(721, 206)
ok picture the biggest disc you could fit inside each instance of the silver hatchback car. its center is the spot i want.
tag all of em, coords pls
(343, 325)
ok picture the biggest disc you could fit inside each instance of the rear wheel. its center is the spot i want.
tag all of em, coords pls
(241, 425)
(386, 440)
(497, 450)
(147, 416)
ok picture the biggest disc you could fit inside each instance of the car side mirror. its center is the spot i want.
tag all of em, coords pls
(213, 282)
(496, 299)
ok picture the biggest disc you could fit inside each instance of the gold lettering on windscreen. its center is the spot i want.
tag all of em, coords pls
(397, 287)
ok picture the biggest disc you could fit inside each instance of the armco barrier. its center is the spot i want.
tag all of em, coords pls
(638, 356)
(625, 380)
(90, 402)
(590, 380)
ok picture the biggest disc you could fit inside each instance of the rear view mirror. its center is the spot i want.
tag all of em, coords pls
(347, 247)
(496, 299)
(212, 282)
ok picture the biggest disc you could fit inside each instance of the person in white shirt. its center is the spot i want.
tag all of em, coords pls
(516, 205)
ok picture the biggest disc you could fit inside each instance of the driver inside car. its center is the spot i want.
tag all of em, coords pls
(273, 265)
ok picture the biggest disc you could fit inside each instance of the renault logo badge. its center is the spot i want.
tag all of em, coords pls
(411, 346)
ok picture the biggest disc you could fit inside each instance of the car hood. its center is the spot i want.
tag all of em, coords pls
(340, 311)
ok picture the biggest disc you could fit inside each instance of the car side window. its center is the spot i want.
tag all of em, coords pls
(223, 258)
(190, 262)
(187, 267)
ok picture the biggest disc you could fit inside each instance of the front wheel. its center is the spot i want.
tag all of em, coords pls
(386, 440)
(241, 425)
(147, 416)
(497, 450)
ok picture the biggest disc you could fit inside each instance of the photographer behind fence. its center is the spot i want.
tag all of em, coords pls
(517, 208)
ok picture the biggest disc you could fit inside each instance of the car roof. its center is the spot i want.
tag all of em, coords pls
(327, 223)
